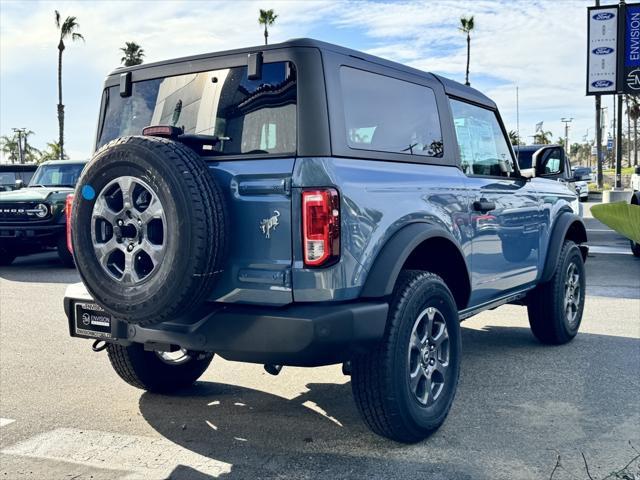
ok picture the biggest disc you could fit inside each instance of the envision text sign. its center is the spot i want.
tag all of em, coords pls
(613, 58)
(631, 74)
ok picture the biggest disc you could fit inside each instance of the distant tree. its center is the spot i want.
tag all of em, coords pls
(514, 138)
(10, 146)
(266, 18)
(67, 31)
(466, 26)
(52, 152)
(133, 54)
(543, 137)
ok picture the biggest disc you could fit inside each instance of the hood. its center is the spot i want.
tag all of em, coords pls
(35, 194)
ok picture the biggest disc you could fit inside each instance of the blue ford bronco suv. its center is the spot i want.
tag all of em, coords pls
(305, 204)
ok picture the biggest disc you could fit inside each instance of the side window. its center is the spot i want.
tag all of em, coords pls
(389, 115)
(483, 147)
(552, 162)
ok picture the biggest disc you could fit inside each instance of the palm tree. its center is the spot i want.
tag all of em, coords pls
(10, 146)
(633, 111)
(466, 25)
(266, 18)
(132, 54)
(52, 153)
(67, 30)
(514, 138)
(543, 137)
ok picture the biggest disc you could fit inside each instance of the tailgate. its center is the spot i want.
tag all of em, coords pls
(258, 265)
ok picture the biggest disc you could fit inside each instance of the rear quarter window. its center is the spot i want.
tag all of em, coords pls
(385, 114)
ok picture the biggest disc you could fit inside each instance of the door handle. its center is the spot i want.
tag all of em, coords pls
(483, 205)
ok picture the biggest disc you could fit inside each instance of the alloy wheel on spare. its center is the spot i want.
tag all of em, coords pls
(128, 228)
(572, 294)
(428, 356)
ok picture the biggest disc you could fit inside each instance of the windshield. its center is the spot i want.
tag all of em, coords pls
(57, 175)
(8, 178)
(251, 116)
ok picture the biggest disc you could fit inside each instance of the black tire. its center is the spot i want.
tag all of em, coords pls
(635, 248)
(63, 252)
(549, 315)
(194, 235)
(147, 371)
(6, 257)
(380, 377)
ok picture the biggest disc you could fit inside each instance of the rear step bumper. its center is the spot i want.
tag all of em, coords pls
(309, 334)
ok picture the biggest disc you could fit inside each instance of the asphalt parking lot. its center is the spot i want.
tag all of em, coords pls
(523, 410)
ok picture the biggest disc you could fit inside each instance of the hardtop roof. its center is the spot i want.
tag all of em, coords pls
(451, 87)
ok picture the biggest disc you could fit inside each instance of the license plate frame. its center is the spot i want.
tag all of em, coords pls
(90, 320)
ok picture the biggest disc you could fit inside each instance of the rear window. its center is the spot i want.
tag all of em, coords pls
(257, 116)
(389, 115)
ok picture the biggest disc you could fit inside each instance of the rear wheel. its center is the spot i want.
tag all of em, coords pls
(161, 372)
(555, 307)
(405, 386)
(635, 249)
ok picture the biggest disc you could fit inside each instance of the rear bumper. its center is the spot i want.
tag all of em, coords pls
(310, 334)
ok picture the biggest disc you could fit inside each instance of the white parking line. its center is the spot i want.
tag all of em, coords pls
(116, 452)
(600, 230)
(602, 249)
(5, 421)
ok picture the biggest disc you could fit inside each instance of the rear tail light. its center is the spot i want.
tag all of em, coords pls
(67, 211)
(320, 227)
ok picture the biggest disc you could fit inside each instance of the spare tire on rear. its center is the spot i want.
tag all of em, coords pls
(149, 229)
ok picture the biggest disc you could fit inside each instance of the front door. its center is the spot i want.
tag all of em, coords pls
(504, 211)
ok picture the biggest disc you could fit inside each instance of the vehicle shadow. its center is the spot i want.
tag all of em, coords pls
(40, 268)
(516, 400)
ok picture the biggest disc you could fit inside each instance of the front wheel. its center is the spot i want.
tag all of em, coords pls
(160, 372)
(555, 307)
(635, 248)
(405, 386)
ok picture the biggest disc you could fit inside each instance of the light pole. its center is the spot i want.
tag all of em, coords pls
(20, 132)
(566, 122)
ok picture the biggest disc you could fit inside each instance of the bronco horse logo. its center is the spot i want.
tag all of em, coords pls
(269, 224)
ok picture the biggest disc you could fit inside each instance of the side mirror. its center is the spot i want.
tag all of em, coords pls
(18, 185)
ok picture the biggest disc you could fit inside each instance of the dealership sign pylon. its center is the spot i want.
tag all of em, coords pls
(613, 58)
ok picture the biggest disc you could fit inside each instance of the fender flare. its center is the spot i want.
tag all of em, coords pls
(564, 222)
(384, 272)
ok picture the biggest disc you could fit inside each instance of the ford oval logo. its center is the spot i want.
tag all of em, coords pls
(603, 16)
(602, 51)
(602, 83)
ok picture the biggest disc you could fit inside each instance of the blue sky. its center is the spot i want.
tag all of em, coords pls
(538, 45)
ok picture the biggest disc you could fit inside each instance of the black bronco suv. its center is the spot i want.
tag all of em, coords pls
(305, 204)
(33, 219)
